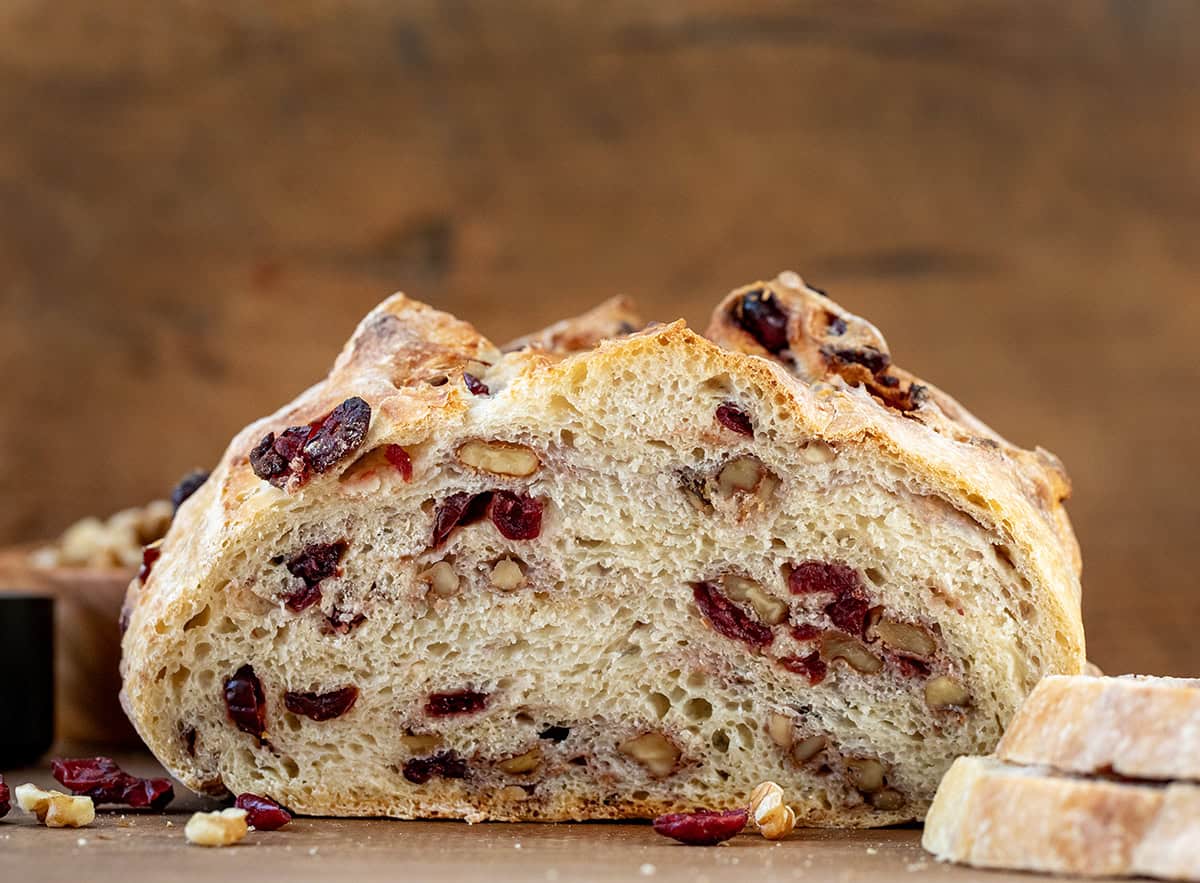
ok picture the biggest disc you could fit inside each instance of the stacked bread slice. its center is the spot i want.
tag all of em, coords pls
(1094, 776)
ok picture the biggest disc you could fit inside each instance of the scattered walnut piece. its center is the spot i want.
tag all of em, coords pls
(55, 809)
(865, 774)
(420, 743)
(522, 763)
(441, 578)
(887, 800)
(499, 458)
(512, 792)
(223, 828)
(944, 692)
(741, 474)
(770, 610)
(507, 575)
(835, 645)
(775, 819)
(906, 637)
(807, 749)
(781, 729)
(111, 543)
(654, 751)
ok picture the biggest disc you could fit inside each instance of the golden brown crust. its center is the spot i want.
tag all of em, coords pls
(616, 317)
(1139, 727)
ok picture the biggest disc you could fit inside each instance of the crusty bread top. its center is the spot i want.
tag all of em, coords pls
(1133, 726)
(405, 357)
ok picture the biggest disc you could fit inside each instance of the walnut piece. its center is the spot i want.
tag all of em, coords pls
(507, 575)
(865, 774)
(906, 637)
(741, 474)
(499, 458)
(806, 749)
(522, 763)
(835, 645)
(55, 809)
(944, 692)
(781, 729)
(654, 751)
(775, 819)
(770, 610)
(223, 828)
(441, 578)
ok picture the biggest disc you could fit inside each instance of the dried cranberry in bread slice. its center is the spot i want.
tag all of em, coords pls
(995, 815)
(596, 578)
(1135, 726)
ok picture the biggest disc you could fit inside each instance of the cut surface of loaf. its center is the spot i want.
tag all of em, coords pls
(605, 574)
(996, 815)
(1135, 726)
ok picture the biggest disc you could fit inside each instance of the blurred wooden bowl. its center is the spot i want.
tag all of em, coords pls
(87, 643)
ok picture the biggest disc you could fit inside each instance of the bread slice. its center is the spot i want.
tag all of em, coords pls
(995, 815)
(1134, 726)
(604, 578)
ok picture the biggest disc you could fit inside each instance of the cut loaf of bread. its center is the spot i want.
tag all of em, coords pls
(1134, 726)
(605, 574)
(992, 814)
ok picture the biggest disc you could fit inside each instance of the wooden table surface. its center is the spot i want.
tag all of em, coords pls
(134, 846)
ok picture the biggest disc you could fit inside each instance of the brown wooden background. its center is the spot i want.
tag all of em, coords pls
(198, 201)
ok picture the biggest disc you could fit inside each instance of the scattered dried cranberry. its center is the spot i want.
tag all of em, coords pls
(805, 632)
(476, 386)
(446, 764)
(810, 577)
(102, 780)
(322, 706)
(871, 358)
(734, 418)
(457, 702)
(5, 799)
(400, 460)
(912, 668)
(340, 622)
(311, 565)
(245, 702)
(728, 619)
(759, 313)
(849, 613)
(811, 666)
(836, 326)
(703, 827)
(458, 510)
(150, 554)
(316, 447)
(516, 516)
(187, 486)
(263, 812)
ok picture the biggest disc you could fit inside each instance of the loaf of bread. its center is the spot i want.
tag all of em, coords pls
(605, 573)
(997, 815)
(1133, 726)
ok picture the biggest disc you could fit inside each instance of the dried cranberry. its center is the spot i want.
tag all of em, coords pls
(871, 358)
(476, 386)
(310, 566)
(759, 313)
(245, 702)
(338, 434)
(446, 764)
(728, 619)
(263, 812)
(912, 668)
(400, 461)
(102, 780)
(316, 447)
(734, 418)
(187, 486)
(516, 516)
(150, 554)
(805, 632)
(849, 613)
(5, 799)
(322, 706)
(810, 577)
(340, 622)
(811, 666)
(457, 510)
(457, 702)
(703, 827)
(836, 326)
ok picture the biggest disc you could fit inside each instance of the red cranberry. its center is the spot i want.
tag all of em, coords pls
(263, 812)
(805, 632)
(476, 386)
(759, 313)
(703, 827)
(302, 597)
(729, 619)
(516, 516)
(310, 566)
(246, 704)
(912, 668)
(458, 510)
(340, 622)
(811, 666)
(400, 461)
(102, 780)
(457, 702)
(811, 577)
(317, 447)
(871, 358)
(735, 419)
(187, 486)
(322, 706)
(150, 554)
(849, 613)
(446, 764)
(5, 799)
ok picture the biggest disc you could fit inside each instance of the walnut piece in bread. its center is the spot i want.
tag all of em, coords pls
(710, 563)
